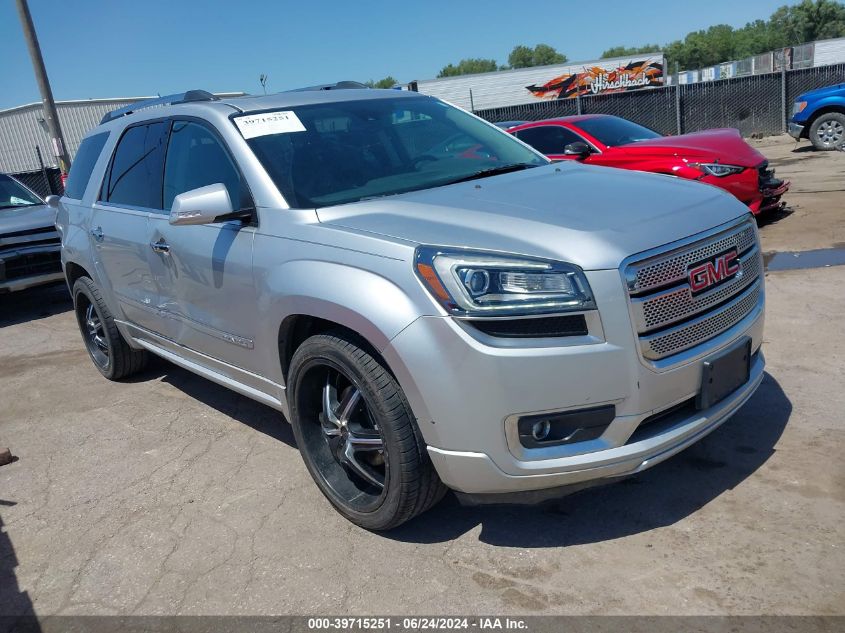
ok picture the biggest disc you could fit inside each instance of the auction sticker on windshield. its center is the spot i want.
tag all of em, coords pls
(267, 123)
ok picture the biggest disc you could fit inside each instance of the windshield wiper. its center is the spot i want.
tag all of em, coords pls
(18, 206)
(493, 171)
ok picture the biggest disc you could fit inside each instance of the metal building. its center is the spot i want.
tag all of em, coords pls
(23, 132)
(23, 136)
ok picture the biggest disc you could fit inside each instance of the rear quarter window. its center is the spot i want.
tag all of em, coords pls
(83, 165)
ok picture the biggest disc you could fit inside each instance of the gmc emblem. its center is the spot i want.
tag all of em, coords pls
(703, 276)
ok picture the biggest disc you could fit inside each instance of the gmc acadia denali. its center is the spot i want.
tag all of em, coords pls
(429, 301)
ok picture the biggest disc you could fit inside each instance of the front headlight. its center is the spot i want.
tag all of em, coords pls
(798, 106)
(717, 169)
(475, 283)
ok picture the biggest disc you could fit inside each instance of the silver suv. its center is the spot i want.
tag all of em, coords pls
(428, 301)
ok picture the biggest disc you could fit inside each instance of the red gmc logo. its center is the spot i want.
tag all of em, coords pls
(707, 274)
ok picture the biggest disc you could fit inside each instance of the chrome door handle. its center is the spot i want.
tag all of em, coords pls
(161, 246)
(97, 234)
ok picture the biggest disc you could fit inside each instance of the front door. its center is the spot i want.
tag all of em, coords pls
(550, 140)
(204, 272)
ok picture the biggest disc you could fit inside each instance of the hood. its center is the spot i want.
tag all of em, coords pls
(26, 218)
(725, 145)
(820, 92)
(591, 216)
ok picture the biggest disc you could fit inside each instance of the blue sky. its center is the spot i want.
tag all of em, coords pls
(117, 48)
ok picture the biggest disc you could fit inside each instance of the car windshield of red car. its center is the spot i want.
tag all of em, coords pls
(613, 131)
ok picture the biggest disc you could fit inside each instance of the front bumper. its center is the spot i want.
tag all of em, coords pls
(465, 391)
(755, 187)
(29, 266)
(476, 473)
(795, 130)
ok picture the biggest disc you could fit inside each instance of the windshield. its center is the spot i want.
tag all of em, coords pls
(14, 195)
(613, 131)
(341, 152)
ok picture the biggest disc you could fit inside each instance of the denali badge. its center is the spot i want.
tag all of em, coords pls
(707, 274)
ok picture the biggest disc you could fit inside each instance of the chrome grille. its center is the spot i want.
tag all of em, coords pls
(669, 268)
(668, 317)
(677, 303)
(691, 334)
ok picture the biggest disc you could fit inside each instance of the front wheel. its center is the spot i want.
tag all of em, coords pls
(356, 434)
(828, 131)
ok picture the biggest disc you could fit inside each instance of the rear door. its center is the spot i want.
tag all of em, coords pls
(119, 227)
(204, 272)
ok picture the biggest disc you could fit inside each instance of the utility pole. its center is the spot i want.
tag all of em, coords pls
(51, 117)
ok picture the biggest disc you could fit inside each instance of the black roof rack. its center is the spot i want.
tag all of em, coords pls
(340, 85)
(182, 97)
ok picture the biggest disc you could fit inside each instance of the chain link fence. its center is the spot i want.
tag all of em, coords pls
(44, 182)
(655, 109)
(755, 105)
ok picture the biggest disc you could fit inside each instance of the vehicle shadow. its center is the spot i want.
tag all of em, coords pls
(659, 497)
(16, 609)
(253, 414)
(773, 217)
(801, 149)
(34, 303)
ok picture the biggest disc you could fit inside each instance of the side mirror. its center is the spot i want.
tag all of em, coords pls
(201, 206)
(578, 148)
(52, 201)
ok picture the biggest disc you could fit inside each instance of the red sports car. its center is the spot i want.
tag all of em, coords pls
(717, 157)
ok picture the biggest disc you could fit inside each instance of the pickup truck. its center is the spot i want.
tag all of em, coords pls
(29, 244)
(819, 115)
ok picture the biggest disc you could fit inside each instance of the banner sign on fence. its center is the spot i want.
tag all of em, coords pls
(603, 80)
(518, 86)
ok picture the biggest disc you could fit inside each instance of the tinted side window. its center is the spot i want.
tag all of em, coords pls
(548, 139)
(195, 158)
(83, 165)
(137, 167)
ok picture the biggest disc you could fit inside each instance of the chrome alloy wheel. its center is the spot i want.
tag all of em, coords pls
(95, 335)
(342, 438)
(358, 448)
(831, 133)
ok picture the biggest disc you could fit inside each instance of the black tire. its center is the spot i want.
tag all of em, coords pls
(109, 352)
(827, 132)
(342, 363)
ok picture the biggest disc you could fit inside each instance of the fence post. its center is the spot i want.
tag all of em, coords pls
(578, 94)
(678, 109)
(48, 185)
(783, 100)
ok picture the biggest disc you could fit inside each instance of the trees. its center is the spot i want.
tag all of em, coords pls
(808, 21)
(469, 67)
(387, 82)
(624, 51)
(520, 57)
(788, 26)
(541, 55)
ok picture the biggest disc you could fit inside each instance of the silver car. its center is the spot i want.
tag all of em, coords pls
(429, 302)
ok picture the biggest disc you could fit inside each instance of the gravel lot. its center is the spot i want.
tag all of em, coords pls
(168, 494)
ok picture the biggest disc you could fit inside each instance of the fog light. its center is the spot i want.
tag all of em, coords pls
(540, 430)
(567, 427)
